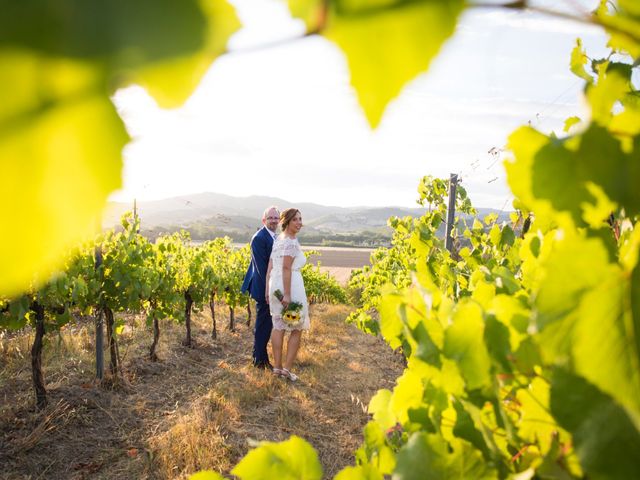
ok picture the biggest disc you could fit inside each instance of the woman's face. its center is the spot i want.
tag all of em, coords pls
(295, 224)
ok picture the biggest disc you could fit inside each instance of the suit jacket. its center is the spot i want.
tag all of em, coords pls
(256, 276)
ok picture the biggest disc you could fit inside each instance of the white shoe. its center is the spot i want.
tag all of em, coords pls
(291, 376)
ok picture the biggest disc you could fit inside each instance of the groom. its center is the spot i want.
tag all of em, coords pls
(254, 283)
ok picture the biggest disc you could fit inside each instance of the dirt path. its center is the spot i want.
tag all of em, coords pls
(197, 408)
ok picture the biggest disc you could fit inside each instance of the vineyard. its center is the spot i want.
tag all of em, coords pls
(123, 273)
(520, 344)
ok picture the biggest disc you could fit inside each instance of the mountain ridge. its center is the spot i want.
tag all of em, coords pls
(187, 208)
(211, 214)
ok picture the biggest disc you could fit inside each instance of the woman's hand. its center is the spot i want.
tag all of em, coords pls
(286, 300)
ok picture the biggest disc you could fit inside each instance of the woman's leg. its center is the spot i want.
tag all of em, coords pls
(277, 337)
(292, 348)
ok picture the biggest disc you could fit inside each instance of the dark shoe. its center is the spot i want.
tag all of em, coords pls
(263, 365)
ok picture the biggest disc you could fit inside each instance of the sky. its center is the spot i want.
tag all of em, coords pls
(283, 120)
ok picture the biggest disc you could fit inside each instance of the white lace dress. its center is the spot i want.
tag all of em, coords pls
(282, 247)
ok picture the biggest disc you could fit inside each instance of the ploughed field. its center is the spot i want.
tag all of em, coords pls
(339, 261)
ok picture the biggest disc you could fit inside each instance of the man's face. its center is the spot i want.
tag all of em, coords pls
(272, 219)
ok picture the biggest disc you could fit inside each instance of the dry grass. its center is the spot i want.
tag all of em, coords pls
(195, 409)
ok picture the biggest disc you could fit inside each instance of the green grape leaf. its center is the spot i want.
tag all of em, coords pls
(58, 129)
(380, 408)
(125, 34)
(497, 339)
(618, 176)
(451, 379)
(464, 343)
(465, 428)
(570, 122)
(19, 308)
(467, 462)
(505, 280)
(119, 326)
(634, 294)
(527, 356)
(292, 459)
(605, 438)
(623, 26)
(16, 315)
(375, 441)
(489, 218)
(534, 245)
(525, 143)
(423, 457)
(510, 311)
(555, 177)
(391, 325)
(407, 394)
(572, 268)
(605, 341)
(574, 178)
(11, 322)
(627, 122)
(426, 349)
(585, 307)
(361, 472)
(60, 154)
(595, 214)
(421, 417)
(507, 236)
(483, 292)
(536, 425)
(172, 81)
(62, 319)
(494, 234)
(428, 457)
(206, 475)
(630, 7)
(612, 84)
(578, 60)
(389, 43)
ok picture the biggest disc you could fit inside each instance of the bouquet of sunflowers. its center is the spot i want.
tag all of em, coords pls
(292, 313)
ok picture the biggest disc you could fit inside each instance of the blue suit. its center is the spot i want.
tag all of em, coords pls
(255, 284)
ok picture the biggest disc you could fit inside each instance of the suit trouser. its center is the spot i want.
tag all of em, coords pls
(261, 332)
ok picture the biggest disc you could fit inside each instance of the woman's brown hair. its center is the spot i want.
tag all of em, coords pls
(286, 216)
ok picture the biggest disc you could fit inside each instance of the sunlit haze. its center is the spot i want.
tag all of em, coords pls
(283, 120)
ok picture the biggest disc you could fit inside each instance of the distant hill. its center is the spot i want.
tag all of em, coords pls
(213, 214)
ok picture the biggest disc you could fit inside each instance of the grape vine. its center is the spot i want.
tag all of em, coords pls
(165, 280)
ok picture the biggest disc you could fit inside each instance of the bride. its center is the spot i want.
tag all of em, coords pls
(285, 293)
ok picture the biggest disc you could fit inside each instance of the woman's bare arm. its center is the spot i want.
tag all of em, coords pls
(287, 262)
